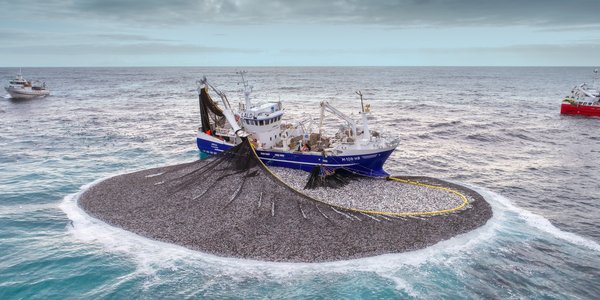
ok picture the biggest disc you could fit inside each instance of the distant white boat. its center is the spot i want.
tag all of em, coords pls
(20, 88)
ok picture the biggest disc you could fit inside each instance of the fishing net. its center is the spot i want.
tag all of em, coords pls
(321, 177)
(209, 111)
(232, 205)
(238, 172)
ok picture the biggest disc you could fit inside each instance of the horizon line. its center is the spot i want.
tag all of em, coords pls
(318, 66)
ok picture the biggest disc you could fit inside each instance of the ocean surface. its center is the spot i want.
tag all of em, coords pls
(497, 130)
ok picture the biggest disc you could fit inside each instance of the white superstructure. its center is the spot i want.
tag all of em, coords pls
(20, 88)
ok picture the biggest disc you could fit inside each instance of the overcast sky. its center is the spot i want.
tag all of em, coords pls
(300, 33)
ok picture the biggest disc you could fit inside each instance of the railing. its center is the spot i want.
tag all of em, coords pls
(221, 131)
(582, 103)
(597, 103)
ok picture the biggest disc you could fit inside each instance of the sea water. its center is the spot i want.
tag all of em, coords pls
(496, 130)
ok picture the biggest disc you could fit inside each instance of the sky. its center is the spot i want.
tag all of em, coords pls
(67, 33)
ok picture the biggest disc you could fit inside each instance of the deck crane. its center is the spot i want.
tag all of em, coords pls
(326, 106)
(227, 111)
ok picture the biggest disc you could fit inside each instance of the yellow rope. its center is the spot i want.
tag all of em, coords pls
(404, 214)
(463, 204)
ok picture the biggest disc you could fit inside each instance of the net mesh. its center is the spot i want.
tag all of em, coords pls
(232, 205)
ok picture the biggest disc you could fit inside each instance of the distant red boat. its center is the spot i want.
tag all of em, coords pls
(570, 107)
(584, 100)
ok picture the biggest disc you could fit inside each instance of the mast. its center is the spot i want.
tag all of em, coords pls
(365, 121)
(247, 89)
(361, 100)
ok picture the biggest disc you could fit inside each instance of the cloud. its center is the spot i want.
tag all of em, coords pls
(575, 54)
(571, 28)
(37, 37)
(9, 35)
(350, 30)
(382, 12)
(127, 49)
(120, 37)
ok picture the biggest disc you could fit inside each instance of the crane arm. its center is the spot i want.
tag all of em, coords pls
(326, 106)
(584, 91)
(227, 112)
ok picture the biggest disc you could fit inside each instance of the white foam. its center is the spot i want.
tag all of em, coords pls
(501, 204)
(151, 254)
(11, 209)
(402, 285)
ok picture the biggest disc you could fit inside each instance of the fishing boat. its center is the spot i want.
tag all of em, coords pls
(20, 88)
(300, 145)
(583, 100)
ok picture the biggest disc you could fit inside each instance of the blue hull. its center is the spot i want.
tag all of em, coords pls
(366, 164)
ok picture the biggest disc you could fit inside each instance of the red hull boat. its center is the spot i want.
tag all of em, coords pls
(584, 100)
(570, 107)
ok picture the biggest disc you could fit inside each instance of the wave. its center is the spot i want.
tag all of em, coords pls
(445, 124)
(521, 136)
(20, 208)
(290, 88)
(502, 204)
(445, 133)
(484, 137)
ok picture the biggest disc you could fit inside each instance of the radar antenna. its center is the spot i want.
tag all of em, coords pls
(247, 89)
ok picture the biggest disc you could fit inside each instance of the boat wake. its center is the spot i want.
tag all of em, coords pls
(503, 204)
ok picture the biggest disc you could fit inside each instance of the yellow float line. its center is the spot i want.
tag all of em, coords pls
(373, 212)
(443, 211)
